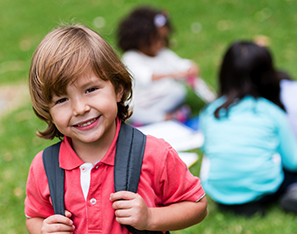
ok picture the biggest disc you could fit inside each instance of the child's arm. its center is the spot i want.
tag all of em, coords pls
(52, 224)
(193, 71)
(132, 210)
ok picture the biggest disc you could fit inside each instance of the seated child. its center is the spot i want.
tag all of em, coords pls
(81, 89)
(157, 70)
(250, 152)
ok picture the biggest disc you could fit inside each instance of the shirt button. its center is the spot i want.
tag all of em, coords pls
(93, 201)
(97, 167)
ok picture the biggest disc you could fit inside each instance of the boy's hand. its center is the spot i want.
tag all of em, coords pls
(130, 209)
(58, 224)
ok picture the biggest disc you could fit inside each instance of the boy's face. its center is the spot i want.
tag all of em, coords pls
(87, 112)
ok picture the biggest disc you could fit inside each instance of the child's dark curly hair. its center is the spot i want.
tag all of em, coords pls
(140, 28)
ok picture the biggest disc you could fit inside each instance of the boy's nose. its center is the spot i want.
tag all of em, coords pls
(80, 107)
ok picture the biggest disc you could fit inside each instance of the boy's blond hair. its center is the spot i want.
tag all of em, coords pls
(62, 56)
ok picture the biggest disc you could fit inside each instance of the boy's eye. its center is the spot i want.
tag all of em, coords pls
(91, 90)
(61, 100)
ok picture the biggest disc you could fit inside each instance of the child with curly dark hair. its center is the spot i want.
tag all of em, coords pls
(157, 70)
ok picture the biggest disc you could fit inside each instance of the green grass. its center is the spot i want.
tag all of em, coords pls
(216, 24)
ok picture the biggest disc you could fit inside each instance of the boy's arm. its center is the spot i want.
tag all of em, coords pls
(34, 225)
(178, 215)
(52, 224)
(132, 210)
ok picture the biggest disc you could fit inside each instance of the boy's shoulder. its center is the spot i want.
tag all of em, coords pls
(37, 162)
(159, 151)
(37, 176)
(156, 144)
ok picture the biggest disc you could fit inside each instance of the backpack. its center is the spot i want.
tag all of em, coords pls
(127, 168)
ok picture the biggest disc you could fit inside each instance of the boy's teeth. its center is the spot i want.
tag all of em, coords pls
(87, 123)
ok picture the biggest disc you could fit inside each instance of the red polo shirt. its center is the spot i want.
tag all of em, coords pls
(164, 179)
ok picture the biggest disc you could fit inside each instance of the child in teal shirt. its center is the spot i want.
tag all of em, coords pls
(250, 152)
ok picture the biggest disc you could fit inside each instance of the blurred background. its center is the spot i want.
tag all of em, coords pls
(202, 31)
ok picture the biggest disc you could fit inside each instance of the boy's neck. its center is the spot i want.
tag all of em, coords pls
(90, 154)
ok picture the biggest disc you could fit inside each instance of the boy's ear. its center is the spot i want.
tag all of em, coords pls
(120, 92)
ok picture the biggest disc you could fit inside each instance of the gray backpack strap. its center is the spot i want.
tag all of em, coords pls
(128, 158)
(55, 176)
(128, 162)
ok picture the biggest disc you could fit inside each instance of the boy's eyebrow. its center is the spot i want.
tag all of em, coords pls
(91, 81)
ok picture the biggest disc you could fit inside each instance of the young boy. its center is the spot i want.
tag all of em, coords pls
(81, 89)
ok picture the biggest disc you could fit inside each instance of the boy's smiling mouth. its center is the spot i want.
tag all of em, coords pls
(89, 122)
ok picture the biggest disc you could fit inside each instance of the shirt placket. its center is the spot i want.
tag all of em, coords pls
(94, 201)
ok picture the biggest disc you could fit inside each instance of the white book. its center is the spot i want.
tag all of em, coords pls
(179, 136)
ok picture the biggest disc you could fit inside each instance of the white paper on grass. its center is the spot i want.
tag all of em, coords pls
(179, 136)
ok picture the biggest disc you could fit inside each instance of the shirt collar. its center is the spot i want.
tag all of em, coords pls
(69, 160)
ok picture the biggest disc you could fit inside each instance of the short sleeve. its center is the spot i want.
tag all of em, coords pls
(37, 202)
(178, 182)
(173, 180)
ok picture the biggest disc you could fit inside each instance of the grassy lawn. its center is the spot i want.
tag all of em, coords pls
(203, 30)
